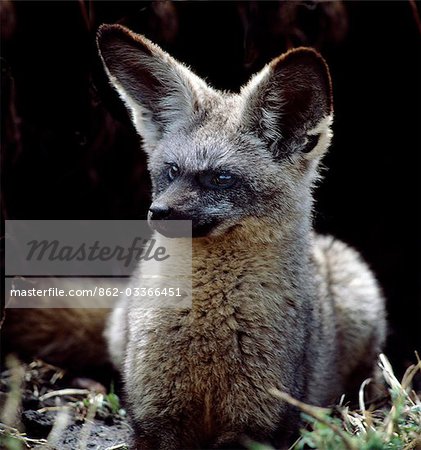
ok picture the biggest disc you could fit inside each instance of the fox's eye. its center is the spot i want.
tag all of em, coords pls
(221, 180)
(173, 171)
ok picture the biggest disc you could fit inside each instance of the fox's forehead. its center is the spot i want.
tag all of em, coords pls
(215, 140)
(208, 148)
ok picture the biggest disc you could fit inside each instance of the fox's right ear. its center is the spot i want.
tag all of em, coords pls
(160, 93)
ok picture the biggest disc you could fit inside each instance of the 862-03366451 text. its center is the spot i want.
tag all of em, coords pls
(97, 291)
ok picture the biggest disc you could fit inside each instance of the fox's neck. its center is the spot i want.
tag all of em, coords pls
(262, 255)
(258, 257)
(260, 237)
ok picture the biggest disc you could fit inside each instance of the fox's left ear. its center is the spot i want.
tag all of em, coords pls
(290, 104)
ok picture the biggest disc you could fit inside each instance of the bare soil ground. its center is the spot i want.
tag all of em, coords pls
(42, 407)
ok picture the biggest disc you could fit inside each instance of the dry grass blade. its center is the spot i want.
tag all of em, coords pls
(10, 432)
(317, 413)
(9, 415)
(60, 424)
(118, 447)
(94, 403)
(62, 392)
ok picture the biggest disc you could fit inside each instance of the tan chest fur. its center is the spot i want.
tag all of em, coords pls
(207, 362)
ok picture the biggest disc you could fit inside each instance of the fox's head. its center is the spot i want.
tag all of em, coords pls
(219, 159)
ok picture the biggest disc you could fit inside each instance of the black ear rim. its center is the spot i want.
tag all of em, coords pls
(109, 35)
(308, 57)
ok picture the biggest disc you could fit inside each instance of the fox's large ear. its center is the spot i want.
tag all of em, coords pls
(160, 93)
(290, 104)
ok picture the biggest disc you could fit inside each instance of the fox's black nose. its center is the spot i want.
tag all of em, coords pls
(159, 212)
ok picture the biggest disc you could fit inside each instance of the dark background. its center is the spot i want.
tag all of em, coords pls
(70, 152)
